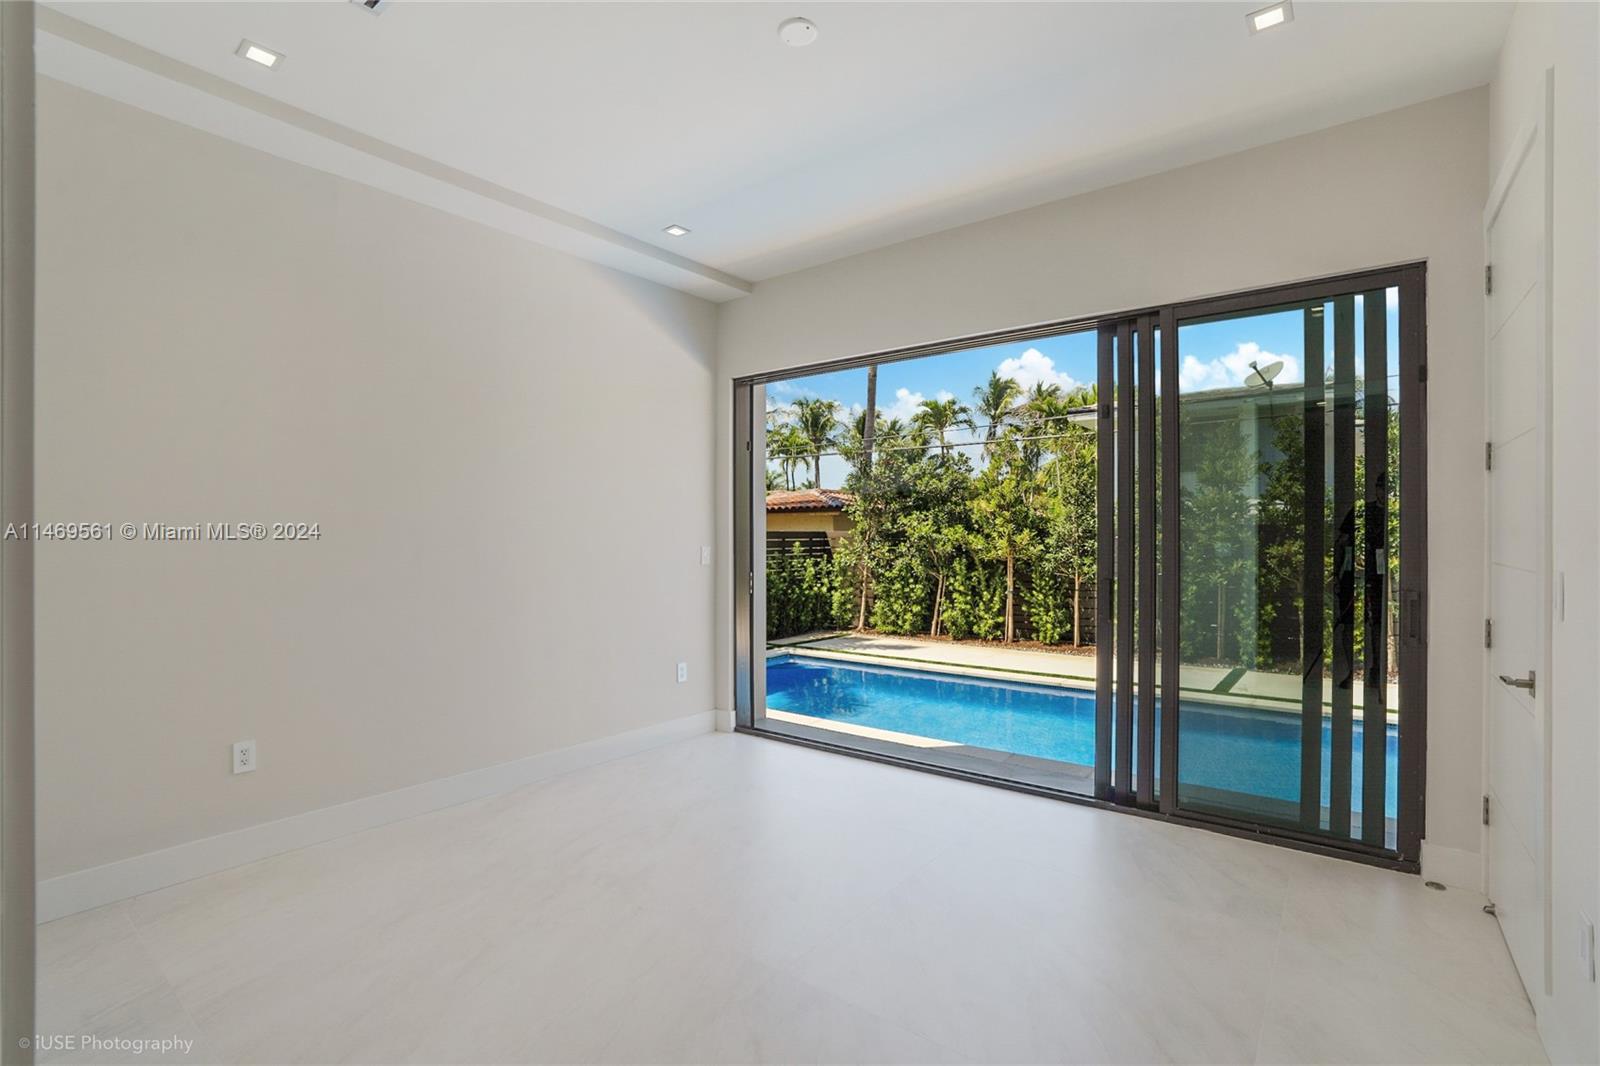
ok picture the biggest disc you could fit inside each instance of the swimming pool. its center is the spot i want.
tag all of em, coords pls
(1242, 750)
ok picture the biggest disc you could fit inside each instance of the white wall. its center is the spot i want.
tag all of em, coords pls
(1401, 186)
(1567, 38)
(508, 451)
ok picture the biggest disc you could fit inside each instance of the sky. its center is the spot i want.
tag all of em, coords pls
(1212, 355)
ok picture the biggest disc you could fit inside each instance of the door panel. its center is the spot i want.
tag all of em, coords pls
(1515, 242)
(1512, 391)
(1516, 732)
(1288, 427)
(1516, 498)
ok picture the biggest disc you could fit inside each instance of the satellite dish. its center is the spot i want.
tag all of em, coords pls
(1260, 377)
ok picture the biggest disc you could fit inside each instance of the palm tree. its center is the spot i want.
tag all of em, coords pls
(869, 419)
(1043, 414)
(1040, 396)
(910, 441)
(995, 402)
(851, 441)
(787, 446)
(940, 416)
(818, 420)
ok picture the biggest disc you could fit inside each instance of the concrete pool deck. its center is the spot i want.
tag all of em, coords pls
(1257, 688)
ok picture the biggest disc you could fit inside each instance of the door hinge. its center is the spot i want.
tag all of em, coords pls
(1488, 278)
(1422, 373)
(752, 582)
(1488, 632)
(1486, 810)
(1488, 455)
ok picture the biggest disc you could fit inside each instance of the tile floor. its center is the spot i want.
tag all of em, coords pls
(734, 899)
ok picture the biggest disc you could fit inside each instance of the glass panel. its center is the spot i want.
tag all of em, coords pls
(930, 570)
(1288, 437)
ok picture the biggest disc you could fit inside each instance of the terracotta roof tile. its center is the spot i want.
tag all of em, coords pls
(809, 500)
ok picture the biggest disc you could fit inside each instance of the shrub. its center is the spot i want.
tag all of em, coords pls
(1048, 606)
(901, 596)
(977, 601)
(844, 589)
(799, 593)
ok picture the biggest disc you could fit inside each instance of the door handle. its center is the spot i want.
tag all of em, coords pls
(1520, 682)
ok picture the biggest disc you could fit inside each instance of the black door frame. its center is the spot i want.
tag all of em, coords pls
(1137, 793)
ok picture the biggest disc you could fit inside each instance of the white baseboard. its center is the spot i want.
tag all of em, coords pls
(724, 720)
(99, 885)
(1452, 866)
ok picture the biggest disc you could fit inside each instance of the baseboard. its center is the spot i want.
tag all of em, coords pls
(1452, 866)
(724, 721)
(99, 885)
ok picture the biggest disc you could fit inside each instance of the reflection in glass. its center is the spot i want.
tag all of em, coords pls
(1288, 498)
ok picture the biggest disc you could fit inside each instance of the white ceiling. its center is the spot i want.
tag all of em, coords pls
(902, 119)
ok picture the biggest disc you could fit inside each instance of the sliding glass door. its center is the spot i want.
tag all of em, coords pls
(1172, 560)
(922, 557)
(1298, 621)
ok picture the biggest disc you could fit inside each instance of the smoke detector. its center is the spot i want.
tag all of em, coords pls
(797, 32)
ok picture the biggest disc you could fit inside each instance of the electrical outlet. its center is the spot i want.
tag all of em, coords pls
(244, 756)
(683, 672)
(705, 555)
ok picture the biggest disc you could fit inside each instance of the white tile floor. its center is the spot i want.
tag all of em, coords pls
(732, 899)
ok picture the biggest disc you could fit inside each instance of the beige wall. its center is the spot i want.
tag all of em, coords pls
(1566, 37)
(476, 422)
(1401, 186)
(823, 522)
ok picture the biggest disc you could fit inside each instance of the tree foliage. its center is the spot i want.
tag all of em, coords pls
(993, 534)
(941, 544)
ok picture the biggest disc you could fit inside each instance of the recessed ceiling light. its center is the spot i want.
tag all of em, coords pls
(257, 54)
(675, 230)
(1268, 17)
(797, 32)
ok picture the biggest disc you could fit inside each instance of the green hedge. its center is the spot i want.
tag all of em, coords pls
(800, 593)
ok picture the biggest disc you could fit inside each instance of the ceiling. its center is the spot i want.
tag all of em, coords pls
(901, 120)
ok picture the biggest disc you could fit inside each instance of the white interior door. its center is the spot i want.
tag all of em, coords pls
(1517, 236)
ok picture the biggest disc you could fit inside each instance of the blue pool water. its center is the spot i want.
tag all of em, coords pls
(1239, 750)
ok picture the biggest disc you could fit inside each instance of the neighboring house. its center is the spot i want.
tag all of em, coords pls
(813, 518)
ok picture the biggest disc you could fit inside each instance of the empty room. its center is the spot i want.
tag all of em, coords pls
(799, 533)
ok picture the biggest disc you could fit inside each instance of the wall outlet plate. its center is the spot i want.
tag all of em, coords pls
(683, 672)
(244, 756)
(705, 555)
(1586, 945)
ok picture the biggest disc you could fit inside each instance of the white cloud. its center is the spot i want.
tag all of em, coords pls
(1032, 368)
(1230, 371)
(904, 406)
